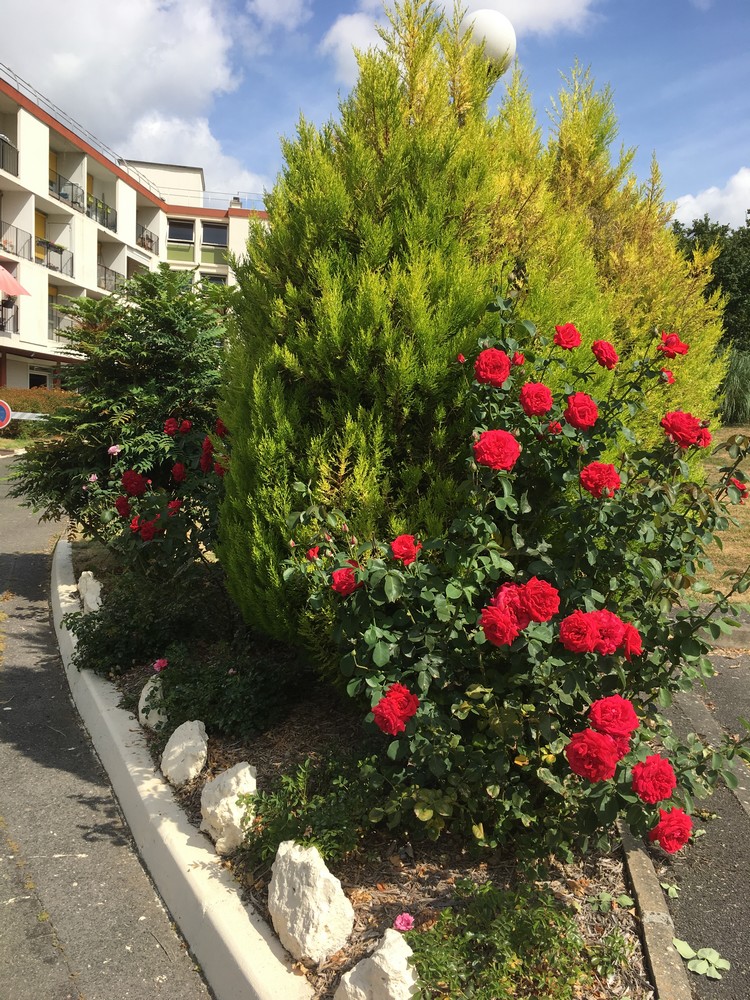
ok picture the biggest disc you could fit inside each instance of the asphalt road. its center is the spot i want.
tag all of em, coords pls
(79, 917)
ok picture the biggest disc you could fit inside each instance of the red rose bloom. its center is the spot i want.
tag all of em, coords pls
(394, 709)
(738, 485)
(509, 598)
(499, 625)
(671, 345)
(673, 830)
(179, 472)
(610, 630)
(518, 359)
(460, 358)
(207, 455)
(581, 411)
(654, 780)
(497, 449)
(185, 426)
(173, 506)
(171, 426)
(623, 746)
(405, 547)
(614, 716)
(600, 479)
(135, 524)
(492, 367)
(536, 399)
(681, 428)
(592, 755)
(148, 530)
(539, 599)
(554, 427)
(579, 632)
(703, 437)
(605, 354)
(219, 470)
(344, 580)
(567, 337)
(631, 643)
(122, 506)
(134, 483)
(667, 376)
(313, 552)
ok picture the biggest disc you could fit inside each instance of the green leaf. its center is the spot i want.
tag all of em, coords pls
(683, 948)
(381, 654)
(712, 973)
(710, 954)
(376, 814)
(699, 966)
(394, 586)
(423, 813)
(722, 963)
(731, 779)
(625, 900)
(392, 751)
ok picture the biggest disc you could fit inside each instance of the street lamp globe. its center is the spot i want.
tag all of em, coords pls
(496, 31)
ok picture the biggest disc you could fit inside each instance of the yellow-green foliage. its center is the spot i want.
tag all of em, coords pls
(389, 231)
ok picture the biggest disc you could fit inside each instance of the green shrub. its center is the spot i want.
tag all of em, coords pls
(38, 400)
(736, 402)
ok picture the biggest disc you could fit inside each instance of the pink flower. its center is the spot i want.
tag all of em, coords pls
(159, 665)
(114, 449)
(93, 478)
(404, 922)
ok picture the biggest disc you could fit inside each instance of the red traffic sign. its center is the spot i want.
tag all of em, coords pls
(6, 414)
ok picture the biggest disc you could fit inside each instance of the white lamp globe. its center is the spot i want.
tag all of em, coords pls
(496, 31)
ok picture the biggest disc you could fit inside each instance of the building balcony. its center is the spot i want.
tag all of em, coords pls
(54, 256)
(108, 279)
(8, 317)
(67, 191)
(57, 324)
(146, 239)
(14, 240)
(101, 213)
(8, 156)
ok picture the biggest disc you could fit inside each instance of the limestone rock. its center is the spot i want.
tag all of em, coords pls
(150, 710)
(222, 817)
(185, 753)
(90, 590)
(384, 975)
(309, 910)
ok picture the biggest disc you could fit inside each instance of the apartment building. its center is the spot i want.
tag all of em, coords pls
(76, 219)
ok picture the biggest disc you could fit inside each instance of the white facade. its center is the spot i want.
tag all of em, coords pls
(77, 220)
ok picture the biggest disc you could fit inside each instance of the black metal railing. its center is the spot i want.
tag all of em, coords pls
(100, 212)
(67, 191)
(54, 256)
(15, 240)
(108, 279)
(8, 156)
(146, 239)
(57, 323)
(8, 317)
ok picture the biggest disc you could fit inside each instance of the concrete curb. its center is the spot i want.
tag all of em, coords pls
(240, 957)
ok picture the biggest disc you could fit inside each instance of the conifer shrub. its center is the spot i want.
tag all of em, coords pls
(385, 230)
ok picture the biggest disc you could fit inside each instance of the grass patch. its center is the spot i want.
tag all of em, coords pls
(735, 551)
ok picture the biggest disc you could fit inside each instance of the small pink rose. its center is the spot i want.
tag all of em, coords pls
(114, 449)
(160, 664)
(93, 477)
(404, 922)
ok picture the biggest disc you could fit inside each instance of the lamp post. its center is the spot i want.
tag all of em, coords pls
(496, 32)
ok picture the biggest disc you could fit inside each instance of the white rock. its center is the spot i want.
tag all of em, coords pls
(90, 590)
(150, 709)
(309, 910)
(384, 975)
(222, 817)
(185, 753)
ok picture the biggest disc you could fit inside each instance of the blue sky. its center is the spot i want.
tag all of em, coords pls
(217, 82)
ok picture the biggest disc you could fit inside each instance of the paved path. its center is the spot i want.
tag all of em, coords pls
(79, 918)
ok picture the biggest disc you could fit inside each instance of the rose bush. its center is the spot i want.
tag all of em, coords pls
(536, 642)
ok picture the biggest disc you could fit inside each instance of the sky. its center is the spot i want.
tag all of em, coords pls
(217, 83)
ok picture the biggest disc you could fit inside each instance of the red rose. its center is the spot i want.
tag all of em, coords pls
(405, 547)
(654, 780)
(605, 354)
(497, 449)
(220, 428)
(614, 716)
(394, 709)
(509, 598)
(667, 376)
(703, 437)
(492, 367)
(148, 530)
(673, 830)
(499, 625)
(207, 453)
(219, 470)
(536, 399)
(171, 426)
(554, 427)
(579, 632)
(671, 345)
(518, 359)
(738, 485)
(185, 426)
(134, 483)
(610, 630)
(581, 411)
(623, 746)
(539, 599)
(173, 506)
(567, 337)
(460, 358)
(592, 755)
(179, 472)
(122, 506)
(135, 524)
(631, 643)
(600, 478)
(681, 428)
(344, 580)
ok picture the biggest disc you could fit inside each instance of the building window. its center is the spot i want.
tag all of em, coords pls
(214, 235)
(214, 279)
(38, 378)
(180, 231)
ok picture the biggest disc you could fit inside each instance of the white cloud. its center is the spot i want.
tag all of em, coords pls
(350, 32)
(540, 16)
(288, 14)
(726, 205)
